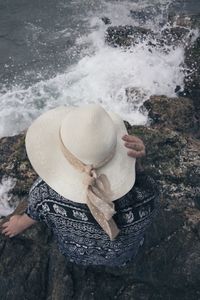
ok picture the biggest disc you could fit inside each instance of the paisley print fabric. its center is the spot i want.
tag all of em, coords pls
(80, 238)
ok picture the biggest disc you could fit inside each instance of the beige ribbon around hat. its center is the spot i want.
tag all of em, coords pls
(98, 194)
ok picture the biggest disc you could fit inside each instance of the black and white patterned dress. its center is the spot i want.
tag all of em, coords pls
(80, 238)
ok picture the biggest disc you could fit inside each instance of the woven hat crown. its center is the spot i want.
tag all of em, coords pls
(93, 137)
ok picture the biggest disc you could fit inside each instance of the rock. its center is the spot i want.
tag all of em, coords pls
(145, 14)
(141, 15)
(126, 36)
(14, 163)
(167, 267)
(175, 113)
(106, 20)
(190, 21)
(196, 21)
(180, 20)
(192, 54)
(175, 36)
(192, 79)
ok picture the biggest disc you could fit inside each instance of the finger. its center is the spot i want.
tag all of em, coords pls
(5, 230)
(11, 235)
(127, 137)
(5, 224)
(136, 154)
(131, 138)
(7, 233)
(135, 146)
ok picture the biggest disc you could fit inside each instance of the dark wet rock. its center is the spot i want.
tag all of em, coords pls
(174, 36)
(192, 79)
(192, 56)
(196, 20)
(24, 265)
(14, 163)
(142, 15)
(106, 20)
(178, 114)
(126, 36)
(146, 14)
(167, 266)
(173, 157)
(190, 21)
(177, 89)
(180, 20)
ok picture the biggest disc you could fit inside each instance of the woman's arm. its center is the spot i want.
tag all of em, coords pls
(17, 224)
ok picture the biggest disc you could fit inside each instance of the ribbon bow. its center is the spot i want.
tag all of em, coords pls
(98, 194)
(99, 201)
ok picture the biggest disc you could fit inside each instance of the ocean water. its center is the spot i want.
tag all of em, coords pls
(54, 53)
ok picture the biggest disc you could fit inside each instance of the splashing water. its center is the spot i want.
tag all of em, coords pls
(102, 74)
(6, 185)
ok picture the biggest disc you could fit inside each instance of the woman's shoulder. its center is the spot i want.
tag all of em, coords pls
(145, 188)
(146, 181)
(42, 191)
(36, 184)
(38, 189)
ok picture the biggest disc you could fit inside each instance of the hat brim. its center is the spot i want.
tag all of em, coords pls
(44, 152)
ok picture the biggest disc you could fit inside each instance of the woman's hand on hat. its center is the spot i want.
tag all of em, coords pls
(135, 144)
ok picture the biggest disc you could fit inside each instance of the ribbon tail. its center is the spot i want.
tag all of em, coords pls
(107, 209)
(103, 184)
(102, 195)
(109, 226)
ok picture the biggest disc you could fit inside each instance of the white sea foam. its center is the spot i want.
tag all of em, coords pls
(101, 75)
(6, 185)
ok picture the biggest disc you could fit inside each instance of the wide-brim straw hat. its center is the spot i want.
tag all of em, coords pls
(91, 135)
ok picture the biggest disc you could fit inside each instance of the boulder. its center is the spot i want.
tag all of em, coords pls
(178, 114)
(167, 266)
(181, 20)
(146, 14)
(192, 54)
(126, 36)
(14, 163)
(192, 78)
(106, 20)
(174, 36)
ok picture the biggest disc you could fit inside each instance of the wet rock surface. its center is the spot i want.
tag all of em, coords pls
(168, 263)
(192, 79)
(126, 36)
(167, 266)
(178, 114)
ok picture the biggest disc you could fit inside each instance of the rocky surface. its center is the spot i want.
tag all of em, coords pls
(127, 36)
(178, 114)
(192, 79)
(167, 267)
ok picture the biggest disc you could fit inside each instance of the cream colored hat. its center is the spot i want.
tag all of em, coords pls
(78, 152)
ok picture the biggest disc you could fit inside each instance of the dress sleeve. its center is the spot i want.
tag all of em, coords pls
(33, 209)
(146, 188)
